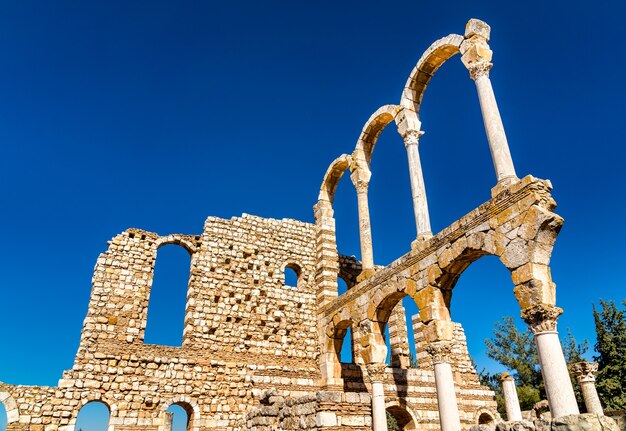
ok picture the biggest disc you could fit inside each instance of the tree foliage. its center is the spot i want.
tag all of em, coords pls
(392, 423)
(516, 351)
(611, 347)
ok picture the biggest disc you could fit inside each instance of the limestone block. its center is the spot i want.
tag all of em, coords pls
(476, 27)
(584, 422)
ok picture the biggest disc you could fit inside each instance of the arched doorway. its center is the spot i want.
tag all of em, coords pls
(400, 419)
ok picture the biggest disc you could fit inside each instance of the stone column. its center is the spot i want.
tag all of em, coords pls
(541, 320)
(418, 191)
(511, 402)
(361, 178)
(169, 417)
(376, 374)
(585, 374)
(477, 58)
(444, 382)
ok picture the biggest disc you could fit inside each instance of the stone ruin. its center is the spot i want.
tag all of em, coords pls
(259, 355)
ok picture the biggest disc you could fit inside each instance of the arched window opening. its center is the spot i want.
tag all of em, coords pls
(399, 334)
(484, 279)
(346, 354)
(390, 201)
(93, 416)
(346, 214)
(485, 419)
(178, 417)
(3, 417)
(168, 296)
(342, 286)
(398, 419)
(292, 275)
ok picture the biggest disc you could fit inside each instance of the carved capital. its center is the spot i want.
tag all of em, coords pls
(541, 318)
(376, 372)
(412, 137)
(441, 351)
(480, 69)
(476, 56)
(585, 371)
(361, 179)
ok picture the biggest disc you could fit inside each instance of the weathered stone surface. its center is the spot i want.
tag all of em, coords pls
(584, 422)
(522, 425)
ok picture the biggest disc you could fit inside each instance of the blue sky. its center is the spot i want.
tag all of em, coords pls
(159, 114)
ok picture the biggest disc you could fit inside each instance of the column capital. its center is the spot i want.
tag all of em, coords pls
(412, 137)
(441, 351)
(476, 56)
(480, 69)
(541, 317)
(585, 371)
(361, 179)
(376, 372)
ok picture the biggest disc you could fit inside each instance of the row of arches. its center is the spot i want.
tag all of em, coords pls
(167, 302)
(181, 414)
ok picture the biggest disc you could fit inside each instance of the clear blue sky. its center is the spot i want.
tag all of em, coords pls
(159, 114)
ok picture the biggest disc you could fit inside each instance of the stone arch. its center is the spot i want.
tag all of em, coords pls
(10, 405)
(176, 239)
(189, 405)
(432, 59)
(297, 269)
(331, 179)
(406, 418)
(94, 397)
(372, 129)
(484, 417)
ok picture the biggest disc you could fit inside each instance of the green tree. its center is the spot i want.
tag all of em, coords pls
(516, 351)
(611, 347)
(392, 423)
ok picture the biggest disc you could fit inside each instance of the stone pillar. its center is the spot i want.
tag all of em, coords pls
(398, 337)
(376, 374)
(541, 320)
(169, 417)
(418, 191)
(511, 402)
(444, 382)
(327, 258)
(585, 374)
(361, 178)
(476, 56)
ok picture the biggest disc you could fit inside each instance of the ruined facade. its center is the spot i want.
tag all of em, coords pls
(258, 354)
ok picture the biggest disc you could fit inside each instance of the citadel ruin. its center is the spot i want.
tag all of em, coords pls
(259, 355)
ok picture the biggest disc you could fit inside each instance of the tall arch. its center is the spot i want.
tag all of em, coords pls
(432, 59)
(167, 307)
(372, 130)
(331, 179)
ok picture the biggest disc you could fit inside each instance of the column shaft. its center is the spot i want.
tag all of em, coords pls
(379, 413)
(498, 143)
(365, 231)
(511, 401)
(590, 395)
(555, 375)
(418, 190)
(446, 398)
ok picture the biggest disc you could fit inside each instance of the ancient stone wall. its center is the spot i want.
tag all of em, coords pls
(245, 331)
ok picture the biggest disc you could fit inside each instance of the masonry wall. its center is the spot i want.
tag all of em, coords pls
(244, 331)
